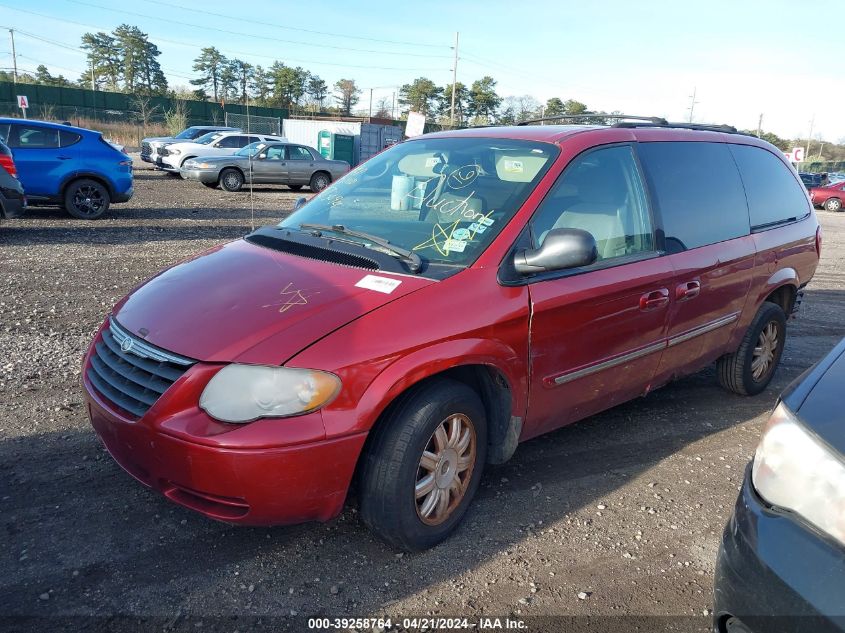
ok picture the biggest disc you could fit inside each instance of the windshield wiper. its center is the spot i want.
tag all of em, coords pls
(413, 260)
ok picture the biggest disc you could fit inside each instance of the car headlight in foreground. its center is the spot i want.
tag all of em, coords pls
(244, 393)
(794, 470)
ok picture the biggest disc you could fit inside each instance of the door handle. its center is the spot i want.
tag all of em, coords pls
(654, 300)
(64, 157)
(688, 290)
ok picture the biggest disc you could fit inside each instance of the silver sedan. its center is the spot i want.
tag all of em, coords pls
(266, 163)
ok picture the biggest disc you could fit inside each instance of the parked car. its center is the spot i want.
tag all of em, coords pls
(174, 155)
(781, 564)
(812, 180)
(69, 166)
(12, 198)
(454, 295)
(151, 146)
(829, 197)
(266, 163)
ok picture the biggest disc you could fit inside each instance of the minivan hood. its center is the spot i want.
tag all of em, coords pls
(246, 303)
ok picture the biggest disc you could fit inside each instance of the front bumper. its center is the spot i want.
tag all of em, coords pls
(200, 175)
(776, 574)
(267, 485)
(165, 164)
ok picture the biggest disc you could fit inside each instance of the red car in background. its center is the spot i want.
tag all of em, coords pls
(830, 196)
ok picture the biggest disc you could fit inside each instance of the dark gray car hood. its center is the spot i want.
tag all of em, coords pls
(816, 398)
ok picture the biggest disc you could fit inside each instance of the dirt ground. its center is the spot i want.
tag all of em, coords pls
(619, 515)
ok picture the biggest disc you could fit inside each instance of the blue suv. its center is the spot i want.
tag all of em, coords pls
(69, 166)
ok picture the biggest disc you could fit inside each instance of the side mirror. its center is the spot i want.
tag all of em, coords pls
(300, 202)
(562, 248)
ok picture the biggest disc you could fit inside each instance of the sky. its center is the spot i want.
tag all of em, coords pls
(741, 58)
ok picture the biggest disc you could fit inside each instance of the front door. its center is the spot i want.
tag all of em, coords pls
(42, 163)
(597, 333)
(270, 165)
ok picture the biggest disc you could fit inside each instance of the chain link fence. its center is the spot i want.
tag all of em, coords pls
(255, 124)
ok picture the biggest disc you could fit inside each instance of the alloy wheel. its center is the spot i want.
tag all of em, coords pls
(445, 469)
(765, 351)
(88, 200)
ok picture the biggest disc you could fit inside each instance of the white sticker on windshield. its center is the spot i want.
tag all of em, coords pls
(485, 221)
(379, 284)
(475, 227)
(432, 161)
(456, 246)
(461, 234)
(513, 166)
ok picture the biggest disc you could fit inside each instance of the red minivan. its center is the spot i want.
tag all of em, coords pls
(455, 295)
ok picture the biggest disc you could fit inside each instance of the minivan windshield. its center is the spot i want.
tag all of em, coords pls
(444, 199)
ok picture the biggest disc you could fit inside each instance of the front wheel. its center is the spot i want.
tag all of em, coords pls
(833, 204)
(319, 181)
(424, 464)
(750, 368)
(231, 179)
(86, 199)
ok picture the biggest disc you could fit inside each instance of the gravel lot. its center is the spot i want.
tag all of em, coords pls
(619, 515)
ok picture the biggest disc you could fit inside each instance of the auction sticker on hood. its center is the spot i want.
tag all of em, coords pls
(379, 284)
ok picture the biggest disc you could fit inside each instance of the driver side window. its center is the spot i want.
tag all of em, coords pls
(600, 192)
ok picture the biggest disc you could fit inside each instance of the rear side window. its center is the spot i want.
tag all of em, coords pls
(232, 142)
(68, 138)
(774, 195)
(698, 192)
(299, 153)
(33, 137)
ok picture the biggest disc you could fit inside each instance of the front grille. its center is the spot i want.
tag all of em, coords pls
(130, 373)
(146, 148)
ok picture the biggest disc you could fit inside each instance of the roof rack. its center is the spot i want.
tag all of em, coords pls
(709, 127)
(653, 120)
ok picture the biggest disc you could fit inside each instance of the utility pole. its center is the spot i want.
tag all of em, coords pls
(809, 137)
(692, 103)
(371, 103)
(393, 106)
(454, 77)
(14, 57)
(760, 125)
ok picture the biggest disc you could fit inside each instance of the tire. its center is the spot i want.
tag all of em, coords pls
(833, 204)
(319, 181)
(210, 185)
(294, 187)
(741, 372)
(231, 179)
(393, 467)
(86, 199)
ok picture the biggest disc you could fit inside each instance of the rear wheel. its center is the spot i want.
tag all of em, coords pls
(86, 199)
(750, 368)
(424, 464)
(319, 181)
(231, 179)
(833, 204)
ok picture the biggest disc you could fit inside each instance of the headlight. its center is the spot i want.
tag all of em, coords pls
(202, 165)
(243, 393)
(175, 151)
(795, 471)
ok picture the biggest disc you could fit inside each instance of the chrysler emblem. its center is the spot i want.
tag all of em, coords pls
(127, 344)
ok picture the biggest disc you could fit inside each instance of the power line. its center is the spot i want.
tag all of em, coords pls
(249, 35)
(223, 50)
(171, 5)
